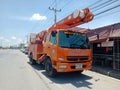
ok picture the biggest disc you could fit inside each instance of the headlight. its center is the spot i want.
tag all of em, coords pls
(61, 59)
(62, 66)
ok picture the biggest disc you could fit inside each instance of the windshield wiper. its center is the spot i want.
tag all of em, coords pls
(82, 46)
(75, 46)
(64, 46)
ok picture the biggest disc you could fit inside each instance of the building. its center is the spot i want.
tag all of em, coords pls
(105, 43)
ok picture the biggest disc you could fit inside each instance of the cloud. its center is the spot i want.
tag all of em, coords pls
(13, 37)
(37, 17)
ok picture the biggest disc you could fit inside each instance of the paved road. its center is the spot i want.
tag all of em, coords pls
(17, 74)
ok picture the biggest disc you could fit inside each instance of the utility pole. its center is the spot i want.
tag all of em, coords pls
(55, 12)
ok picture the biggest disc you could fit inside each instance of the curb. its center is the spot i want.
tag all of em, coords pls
(111, 73)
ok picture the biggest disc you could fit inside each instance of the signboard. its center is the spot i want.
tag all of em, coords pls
(107, 44)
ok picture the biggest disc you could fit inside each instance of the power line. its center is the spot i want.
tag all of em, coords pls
(46, 12)
(105, 5)
(68, 10)
(101, 4)
(107, 10)
(66, 4)
(55, 10)
(95, 3)
(94, 7)
(54, 1)
(118, 11)
(63, 7)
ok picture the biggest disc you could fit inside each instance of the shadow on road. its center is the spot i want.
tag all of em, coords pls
(74, 78)
(37, 66)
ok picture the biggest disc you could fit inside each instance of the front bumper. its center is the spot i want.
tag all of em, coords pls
(71, 67)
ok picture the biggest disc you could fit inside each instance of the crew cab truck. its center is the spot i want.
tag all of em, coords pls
(62, 48)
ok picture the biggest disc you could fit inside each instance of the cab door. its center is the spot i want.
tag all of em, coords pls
(53, 45)
(50, 45)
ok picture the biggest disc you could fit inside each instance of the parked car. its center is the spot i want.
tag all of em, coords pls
(25, 50)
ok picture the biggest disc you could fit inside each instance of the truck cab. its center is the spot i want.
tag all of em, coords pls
(67, 51)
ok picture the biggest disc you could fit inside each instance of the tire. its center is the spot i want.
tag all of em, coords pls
(32, 61)
(79, 72)
(49, 69)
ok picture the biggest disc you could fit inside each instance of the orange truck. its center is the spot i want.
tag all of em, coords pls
(63, 47)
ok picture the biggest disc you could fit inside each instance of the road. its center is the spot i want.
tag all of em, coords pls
(17, 74)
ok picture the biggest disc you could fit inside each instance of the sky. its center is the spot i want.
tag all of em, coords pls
(19, 18)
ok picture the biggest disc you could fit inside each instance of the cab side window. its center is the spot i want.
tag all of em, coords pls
(47, 38)
(53, 39)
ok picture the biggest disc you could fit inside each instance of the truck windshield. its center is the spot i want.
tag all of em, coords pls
(73, 40)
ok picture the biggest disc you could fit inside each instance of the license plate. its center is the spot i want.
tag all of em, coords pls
(79, 66)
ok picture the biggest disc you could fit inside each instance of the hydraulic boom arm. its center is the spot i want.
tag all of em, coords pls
(78, 17)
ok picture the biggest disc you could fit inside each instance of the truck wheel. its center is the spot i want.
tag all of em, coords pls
(49, 69)
(79, 72)
(32, 61)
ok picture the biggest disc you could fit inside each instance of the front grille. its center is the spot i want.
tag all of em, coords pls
(77, 58)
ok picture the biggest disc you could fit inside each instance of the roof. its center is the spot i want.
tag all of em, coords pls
(104, 33)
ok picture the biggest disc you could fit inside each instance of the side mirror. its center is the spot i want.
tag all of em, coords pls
(53, 33)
